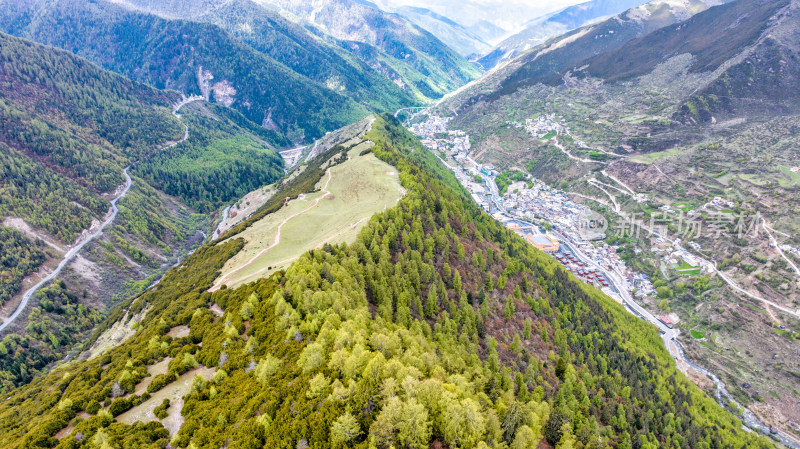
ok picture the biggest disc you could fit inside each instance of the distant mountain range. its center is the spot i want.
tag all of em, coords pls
(231, 49)
(489, 20)
(458, 37)
(549, 58)
(540, 29)
(743, 48)
(409, 55)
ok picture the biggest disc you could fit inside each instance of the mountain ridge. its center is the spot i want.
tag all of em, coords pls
(188, 56)
(438, 68)
(454, 371)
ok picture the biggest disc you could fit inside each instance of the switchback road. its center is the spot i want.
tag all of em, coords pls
(84, 241)
(71, 253)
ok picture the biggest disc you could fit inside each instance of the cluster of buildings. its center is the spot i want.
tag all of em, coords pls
(588, 275)
(577, 233)
(673, 253)
(719, 203)
(429, 128)
(436, 136)
(537, 200)
(543, 125)
(606, 257)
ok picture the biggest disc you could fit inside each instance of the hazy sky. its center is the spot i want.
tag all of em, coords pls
(508, 14)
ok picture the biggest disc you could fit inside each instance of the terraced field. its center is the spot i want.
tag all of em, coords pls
(348, 195)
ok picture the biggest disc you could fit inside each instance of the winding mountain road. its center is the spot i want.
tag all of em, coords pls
(669, 335)
(71, 253)
(777, 245)
(114, 210)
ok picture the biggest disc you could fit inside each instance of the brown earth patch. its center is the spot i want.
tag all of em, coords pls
(179, 332)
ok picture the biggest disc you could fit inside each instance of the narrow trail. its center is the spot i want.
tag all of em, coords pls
(277, 240)
(772, 240)
(613, 199)
(575, 158)
(293, 258)
(112, 215)
(732, 284)
(598, 149)
(610, 186)
(618, 181)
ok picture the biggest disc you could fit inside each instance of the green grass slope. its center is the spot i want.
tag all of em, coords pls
(437, 326)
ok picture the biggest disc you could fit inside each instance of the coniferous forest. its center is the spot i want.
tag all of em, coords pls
(216, 231)
(436, 324)
(68, 129)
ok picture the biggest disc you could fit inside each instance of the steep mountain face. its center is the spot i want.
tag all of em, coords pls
(291, 45)
(308, 55)
(414, 67)
(751, 53)
(404, 338)
(650, 16)
(746, 49)
(194, 58)
(70, 131)
(453, 34)
(423, 62)
(547, 62)
(695, 119)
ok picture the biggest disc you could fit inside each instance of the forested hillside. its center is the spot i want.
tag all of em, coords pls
(19, 257)
(407, 54)
(437, 326)
(219, 162)
(297, 48)
(67, 131)
(376, 58)
(194, 58)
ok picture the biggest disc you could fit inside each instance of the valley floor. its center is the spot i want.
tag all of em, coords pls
(571, 222)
